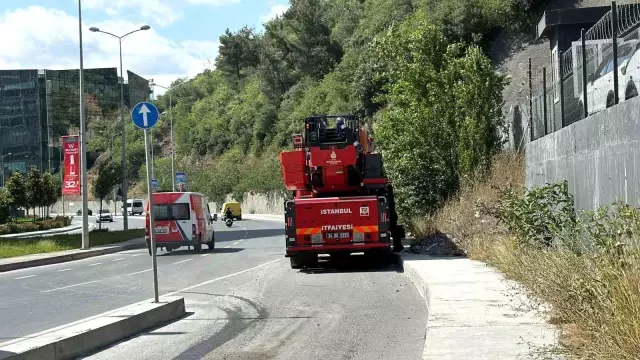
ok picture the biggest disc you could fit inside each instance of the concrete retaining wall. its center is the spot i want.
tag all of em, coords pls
(599, 157)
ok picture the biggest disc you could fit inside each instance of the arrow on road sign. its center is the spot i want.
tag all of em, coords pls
(145, 115)
(144, 110)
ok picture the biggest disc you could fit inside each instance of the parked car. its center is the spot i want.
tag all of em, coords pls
(104, 215)
(600, 84)
(80, 212)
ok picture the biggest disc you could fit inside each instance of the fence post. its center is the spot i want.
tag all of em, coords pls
(561, 78)
(530, 102)
(544, 98)
(614, 29)
(584, 74)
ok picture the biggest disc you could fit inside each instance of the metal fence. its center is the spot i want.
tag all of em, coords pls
(39, 106)
(606, 55)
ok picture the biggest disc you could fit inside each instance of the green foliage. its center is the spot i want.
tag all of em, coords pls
(35, 190)
(109, 175)
(433, 101)
(443, 109)
(17, 187)
(5, 203)
(540, 216)
(21, 227)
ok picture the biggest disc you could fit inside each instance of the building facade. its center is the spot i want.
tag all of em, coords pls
(39, 106)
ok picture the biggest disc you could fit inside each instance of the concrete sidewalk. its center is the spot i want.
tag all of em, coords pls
(264, 217)
(472, 311)
(20, 262)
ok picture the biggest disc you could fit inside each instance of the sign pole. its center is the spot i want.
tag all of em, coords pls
(152, 227)
(144, 116)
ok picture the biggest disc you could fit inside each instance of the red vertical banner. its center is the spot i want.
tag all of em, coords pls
(71, 178)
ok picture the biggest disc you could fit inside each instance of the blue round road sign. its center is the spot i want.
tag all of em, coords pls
(145, 115)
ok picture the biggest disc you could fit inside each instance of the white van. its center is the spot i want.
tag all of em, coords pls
(135, 206)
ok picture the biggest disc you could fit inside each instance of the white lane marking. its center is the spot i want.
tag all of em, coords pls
(203, 255)
(180, 262)
(139, 272)
(137, 255)
(228, 246)
(118, 259)
(63, 270)
(95, 264)
(24, 277)
(222, 278)
(70, 286)
(236, 243)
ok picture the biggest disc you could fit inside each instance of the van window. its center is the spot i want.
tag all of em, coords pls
(165, 212)
(137, 204)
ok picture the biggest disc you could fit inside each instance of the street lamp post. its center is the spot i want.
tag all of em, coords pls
(83, 143)
(173, 172)
(125, 220)
(2, 166)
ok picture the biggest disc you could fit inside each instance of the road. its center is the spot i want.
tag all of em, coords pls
(244, 302)
(135, 222)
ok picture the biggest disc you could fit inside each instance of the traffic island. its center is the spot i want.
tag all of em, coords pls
(88, 335)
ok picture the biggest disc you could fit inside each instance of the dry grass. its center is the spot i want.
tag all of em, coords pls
(594, 298)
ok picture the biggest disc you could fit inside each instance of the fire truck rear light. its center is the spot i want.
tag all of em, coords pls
(291, 240)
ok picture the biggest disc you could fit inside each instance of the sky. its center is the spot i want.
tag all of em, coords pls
(182, 42)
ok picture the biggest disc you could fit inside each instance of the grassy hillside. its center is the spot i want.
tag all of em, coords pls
(340, 56)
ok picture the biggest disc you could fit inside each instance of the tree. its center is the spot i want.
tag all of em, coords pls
(442, 116)
(17, 187)
(237, 52)
(50, 191)
(35, 190)
(5, 204)
(109, 175)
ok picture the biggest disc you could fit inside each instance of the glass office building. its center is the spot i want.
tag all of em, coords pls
(39, 106)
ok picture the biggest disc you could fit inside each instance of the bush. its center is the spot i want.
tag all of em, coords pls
(540, 216)
(16, 228)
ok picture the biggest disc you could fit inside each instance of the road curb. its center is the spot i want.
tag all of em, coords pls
(40, 233)
(413, 274)
(92, 334)
(69, 257)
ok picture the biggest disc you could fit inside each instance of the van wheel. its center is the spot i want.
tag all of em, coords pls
(212, 243)
(240, 218)
(197, 246)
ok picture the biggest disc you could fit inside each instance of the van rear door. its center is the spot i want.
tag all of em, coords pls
(173, 221)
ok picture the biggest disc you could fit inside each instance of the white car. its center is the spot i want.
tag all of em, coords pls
(104, 215)
(600, 84)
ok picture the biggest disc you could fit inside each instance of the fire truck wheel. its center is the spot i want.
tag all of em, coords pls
(295, 262)
(379, 257)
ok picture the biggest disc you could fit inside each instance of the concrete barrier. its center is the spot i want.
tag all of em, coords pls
(86, 336)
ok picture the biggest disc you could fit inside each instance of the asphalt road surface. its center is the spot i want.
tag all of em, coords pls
(243, 302)
(135, 222)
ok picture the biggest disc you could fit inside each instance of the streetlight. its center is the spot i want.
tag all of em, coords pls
(2, 166)
(83, 143)
(125, 221)
(173, 174)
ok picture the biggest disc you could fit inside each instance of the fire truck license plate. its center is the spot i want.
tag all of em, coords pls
(339, 235)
